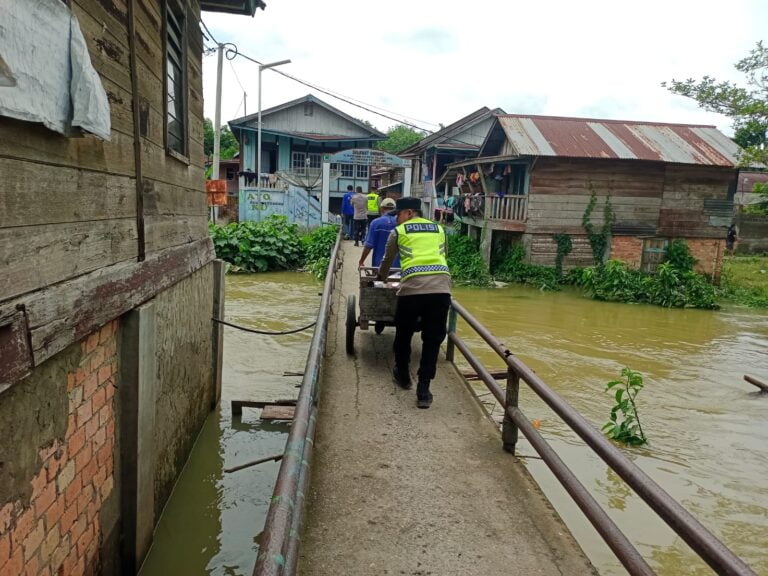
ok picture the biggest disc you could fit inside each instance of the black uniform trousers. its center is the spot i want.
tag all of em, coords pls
(430, 313)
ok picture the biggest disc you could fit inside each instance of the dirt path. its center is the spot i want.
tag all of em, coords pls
(398, 490)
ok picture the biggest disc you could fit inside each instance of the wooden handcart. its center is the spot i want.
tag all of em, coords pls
(378, 302)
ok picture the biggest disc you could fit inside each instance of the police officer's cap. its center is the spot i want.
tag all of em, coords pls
(407, 204)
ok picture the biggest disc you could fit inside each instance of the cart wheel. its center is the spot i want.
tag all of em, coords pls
(351, 323)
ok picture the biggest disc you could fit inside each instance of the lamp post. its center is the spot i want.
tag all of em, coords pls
(263, 67)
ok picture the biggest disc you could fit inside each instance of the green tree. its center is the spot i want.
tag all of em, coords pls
(228, 142)
(746, 106)
(399, 138)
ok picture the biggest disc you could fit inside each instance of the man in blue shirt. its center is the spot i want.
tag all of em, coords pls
(378, 232)
(347, 211)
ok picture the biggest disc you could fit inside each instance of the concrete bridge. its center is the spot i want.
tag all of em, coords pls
(369, 484)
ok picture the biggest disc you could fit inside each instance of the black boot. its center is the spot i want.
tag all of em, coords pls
(402, 379)
(423, 395)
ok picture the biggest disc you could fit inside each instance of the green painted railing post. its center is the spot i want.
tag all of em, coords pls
(452, 317)
(508, 427)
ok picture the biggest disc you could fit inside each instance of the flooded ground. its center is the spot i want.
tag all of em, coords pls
(708, 429)
(212, 519)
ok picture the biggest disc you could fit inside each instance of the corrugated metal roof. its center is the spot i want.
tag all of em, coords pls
(591, 138)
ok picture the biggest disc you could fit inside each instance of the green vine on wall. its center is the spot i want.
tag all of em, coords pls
(598, 241)
(564, 247)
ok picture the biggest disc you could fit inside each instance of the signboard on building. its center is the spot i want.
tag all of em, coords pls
(367, 157)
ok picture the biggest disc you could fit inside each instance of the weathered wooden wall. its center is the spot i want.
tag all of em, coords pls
(687, 210)
(648, 198)
(71, 223)
(559, 192)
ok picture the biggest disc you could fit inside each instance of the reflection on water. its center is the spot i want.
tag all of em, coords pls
(708, 430)
(212, 519)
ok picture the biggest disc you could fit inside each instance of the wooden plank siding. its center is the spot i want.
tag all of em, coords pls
(69, 239)
(560, 190)
(648, 198)
(682, 212)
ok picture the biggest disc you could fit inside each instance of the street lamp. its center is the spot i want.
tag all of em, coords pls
(263, 67)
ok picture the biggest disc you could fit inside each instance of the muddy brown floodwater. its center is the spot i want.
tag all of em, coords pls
(210, 524)
(708, 429)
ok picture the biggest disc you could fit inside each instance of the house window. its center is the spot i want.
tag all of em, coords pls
(309, 109)
(362, 171)
(176, 79)
(654, 252)
(299, 160)
(231, 172)
(347, 170)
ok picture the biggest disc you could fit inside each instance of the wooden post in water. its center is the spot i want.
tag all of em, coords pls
(508, 427)
(452, 316)
(752, 380)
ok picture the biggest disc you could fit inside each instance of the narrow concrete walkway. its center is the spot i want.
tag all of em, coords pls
(398, 490)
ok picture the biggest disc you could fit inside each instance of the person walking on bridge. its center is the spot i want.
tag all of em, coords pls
(424, 296)
(378, 233)
(347, 212)
(359, 219)
(373, 205)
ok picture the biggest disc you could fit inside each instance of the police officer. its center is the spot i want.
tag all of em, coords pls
(424, 296)
(373, 205)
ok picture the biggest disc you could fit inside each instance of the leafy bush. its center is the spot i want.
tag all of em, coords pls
(679, 255)
(318, 246)
(510, 266)
(624, 423)
(466, 262)
(669, 287)
(272, 244)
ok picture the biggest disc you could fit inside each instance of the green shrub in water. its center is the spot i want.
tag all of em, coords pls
(466, 262)
(318, 246)
(272, 244)
(510, 266)
(624, 422)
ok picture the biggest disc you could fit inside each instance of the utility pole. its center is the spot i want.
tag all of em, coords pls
(217, 129)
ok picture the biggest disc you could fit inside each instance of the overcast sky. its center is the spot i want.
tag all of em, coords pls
(434, 61)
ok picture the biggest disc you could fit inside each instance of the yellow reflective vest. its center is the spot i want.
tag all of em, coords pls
(421, 244)
(373, 203)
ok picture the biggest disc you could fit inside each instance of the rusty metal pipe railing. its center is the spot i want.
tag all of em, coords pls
(607, 528)
(294, 540)
(701, 540)
(285, 513)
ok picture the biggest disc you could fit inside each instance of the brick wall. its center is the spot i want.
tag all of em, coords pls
(709, 253)
(627, 249)
(57, 529)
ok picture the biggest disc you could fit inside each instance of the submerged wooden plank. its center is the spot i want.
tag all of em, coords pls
(277, 412)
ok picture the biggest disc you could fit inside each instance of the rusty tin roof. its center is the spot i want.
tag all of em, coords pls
(591, 138)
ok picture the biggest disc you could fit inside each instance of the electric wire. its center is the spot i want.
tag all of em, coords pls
(264, 332)
(232, 51)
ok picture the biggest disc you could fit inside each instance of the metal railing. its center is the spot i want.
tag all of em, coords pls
(701, 540)
(514, 208)
(279, 546)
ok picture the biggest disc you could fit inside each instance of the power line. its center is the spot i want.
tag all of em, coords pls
(232, 51)
(235, 73)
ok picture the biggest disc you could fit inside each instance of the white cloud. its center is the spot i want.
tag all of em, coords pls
(437, 61)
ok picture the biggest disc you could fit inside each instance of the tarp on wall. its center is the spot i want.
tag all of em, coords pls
(49, 76)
